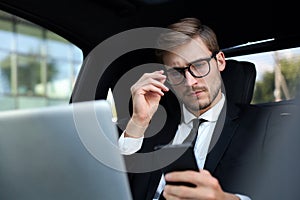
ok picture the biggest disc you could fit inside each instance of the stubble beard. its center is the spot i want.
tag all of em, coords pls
(195, 104)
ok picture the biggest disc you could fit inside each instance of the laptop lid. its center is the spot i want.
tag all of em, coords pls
(61, 152)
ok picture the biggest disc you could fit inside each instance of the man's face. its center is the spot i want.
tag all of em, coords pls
(198, 94)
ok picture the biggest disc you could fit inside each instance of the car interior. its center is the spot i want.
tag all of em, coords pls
(243, 29)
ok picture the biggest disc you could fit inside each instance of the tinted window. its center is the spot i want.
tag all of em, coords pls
(278, 74)
(37, 67)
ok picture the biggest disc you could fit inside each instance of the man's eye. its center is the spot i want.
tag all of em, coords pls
(199, 64)
(174, 73)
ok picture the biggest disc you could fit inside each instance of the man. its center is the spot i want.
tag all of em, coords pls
(193, 62)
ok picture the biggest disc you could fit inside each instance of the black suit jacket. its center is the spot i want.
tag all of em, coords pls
(233, 159)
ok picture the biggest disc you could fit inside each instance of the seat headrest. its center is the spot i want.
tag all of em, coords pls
(239, 80)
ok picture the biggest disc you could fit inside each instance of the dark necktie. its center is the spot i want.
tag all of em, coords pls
(190, 139)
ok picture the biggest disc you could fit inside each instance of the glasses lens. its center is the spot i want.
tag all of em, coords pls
(174, 76)
(200, 68)
(197, 69)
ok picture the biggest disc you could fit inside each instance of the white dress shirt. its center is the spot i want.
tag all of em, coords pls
(205, 131)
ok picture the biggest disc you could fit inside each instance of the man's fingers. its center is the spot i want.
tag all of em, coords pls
(207, 187)
(159, 84)
(185, 176)
(178, 192)
(158, 75)
(150, 82)
(197, 178)
(152, 89)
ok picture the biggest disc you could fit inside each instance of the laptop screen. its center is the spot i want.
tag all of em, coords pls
(61, 152)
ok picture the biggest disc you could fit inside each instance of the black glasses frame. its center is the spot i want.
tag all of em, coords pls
(181, 70)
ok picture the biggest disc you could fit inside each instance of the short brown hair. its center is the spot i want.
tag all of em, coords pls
(184, 31)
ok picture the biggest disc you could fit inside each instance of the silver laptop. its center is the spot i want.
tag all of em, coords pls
(61, 152)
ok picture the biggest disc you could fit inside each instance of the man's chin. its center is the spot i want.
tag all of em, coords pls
(196, 105)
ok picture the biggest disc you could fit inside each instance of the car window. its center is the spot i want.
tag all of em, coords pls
(278, 74)
(37, 67)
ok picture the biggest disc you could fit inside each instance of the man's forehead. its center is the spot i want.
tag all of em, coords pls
(188, 52)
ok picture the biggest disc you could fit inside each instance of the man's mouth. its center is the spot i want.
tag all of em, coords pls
(196, 92)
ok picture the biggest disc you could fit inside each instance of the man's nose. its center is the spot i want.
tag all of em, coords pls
(189, 79)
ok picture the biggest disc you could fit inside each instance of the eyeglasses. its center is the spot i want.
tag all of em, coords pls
(198, 69)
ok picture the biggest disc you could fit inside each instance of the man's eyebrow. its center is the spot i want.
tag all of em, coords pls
(200, 59)
(187, 63)
(174, 66)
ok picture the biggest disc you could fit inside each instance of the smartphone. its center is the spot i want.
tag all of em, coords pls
(183, 156)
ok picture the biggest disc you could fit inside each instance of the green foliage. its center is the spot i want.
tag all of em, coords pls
(264, 89)
(290, 69)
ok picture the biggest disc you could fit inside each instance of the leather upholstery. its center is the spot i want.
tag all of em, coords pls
(239, 80)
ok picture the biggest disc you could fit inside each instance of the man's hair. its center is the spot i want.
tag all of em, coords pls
(183, 32)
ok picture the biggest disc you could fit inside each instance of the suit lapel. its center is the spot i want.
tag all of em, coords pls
(222, 136)
(153, 184)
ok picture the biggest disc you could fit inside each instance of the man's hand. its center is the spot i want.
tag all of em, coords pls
(146, 94)
(207, 187)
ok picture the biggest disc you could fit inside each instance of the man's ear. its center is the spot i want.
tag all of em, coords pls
(221, 61)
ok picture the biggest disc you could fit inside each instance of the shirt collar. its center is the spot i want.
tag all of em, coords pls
(210, 115)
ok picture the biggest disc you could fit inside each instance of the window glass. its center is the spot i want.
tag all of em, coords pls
(28, 75)
(58, 86)
(6, 35)
(278, 74)
(29, 39)
(37, 67)
(5, 73)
